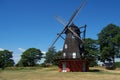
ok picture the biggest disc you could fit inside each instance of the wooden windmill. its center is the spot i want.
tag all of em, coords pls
(73, 54)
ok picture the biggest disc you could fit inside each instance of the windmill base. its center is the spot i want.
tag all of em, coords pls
(72, 65)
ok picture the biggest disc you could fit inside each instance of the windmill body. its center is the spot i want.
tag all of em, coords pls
(71, 48)
(73, 54)
(72, 59)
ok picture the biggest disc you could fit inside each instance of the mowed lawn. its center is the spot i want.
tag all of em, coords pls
(96, 73)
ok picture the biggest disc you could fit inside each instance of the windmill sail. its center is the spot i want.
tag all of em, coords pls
(70, 20)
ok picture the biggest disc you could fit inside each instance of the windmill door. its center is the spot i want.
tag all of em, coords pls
(64, 67)
(83, 67)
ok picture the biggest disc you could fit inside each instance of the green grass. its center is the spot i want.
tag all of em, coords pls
(96, 73)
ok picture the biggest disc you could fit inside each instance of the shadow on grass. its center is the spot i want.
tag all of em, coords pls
(95, 70)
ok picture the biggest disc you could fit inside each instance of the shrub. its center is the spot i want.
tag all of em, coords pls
(117, 64)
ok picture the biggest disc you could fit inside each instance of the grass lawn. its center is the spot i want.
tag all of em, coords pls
(96, 73)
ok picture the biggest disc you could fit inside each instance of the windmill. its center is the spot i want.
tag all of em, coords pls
(73, 54)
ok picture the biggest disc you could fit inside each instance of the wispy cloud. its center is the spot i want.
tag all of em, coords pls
(1, 49)
(21, 49)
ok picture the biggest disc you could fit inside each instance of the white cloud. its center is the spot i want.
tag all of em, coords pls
(21, 49)
(1, 49)
(16, 57)
(43, 52)
(61, 49)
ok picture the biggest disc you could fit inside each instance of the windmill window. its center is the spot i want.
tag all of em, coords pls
(66, 46)
(73, 37)
(74, 55)
(64, 54)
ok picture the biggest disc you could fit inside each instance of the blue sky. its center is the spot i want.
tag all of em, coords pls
(31, 23)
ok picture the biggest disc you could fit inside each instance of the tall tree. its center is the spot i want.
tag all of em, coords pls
(6, 59)
(30, 57)
(106, 41)
(58, 55)
(116, 41)
(49, 55)
(91, 47)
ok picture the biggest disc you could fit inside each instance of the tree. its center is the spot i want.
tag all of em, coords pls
(91, 47)
(116, 41)
(49, 55)
(6, 59)
(30, 57)
(105, 54)
(58, 55)
(106, 37)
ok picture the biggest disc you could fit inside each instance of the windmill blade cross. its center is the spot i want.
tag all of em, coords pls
(59, 19)
(70, 20)
(61, 36)
(58, 37)
(76, 12)
(76, 35)
(55, 41)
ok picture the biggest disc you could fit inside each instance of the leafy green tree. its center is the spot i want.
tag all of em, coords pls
(108, 54)
(91, 47)
(30, 57)
(58, 55)
(116, 41)
(106, 37)
(49, 55)
(6, 59)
